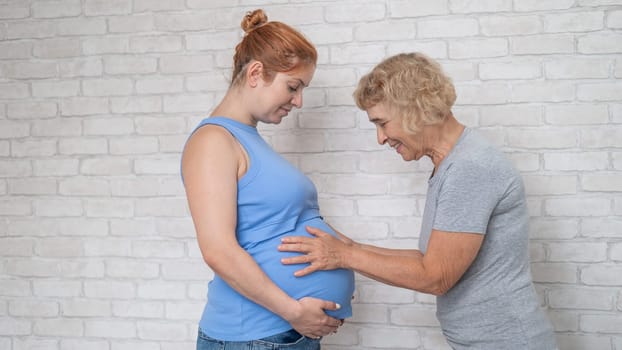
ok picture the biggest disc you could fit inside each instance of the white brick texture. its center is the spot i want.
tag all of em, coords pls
(97, 97)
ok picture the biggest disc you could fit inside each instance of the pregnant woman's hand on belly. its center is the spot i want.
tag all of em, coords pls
(324, 252)
(311, 320)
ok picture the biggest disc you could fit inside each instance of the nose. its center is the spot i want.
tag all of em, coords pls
(382, 138)
(297, 99)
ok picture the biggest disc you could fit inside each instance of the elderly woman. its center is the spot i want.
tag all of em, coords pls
(473, 246)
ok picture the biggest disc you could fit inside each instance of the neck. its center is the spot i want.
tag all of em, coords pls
(233, 106)
(442, 139)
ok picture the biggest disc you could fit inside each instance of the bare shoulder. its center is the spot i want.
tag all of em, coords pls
(210, 148)
(210, 138)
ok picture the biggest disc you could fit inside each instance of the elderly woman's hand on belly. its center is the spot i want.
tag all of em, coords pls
(322, 252)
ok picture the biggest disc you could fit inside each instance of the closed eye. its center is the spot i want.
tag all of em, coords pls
(378, 121)
(293, 89)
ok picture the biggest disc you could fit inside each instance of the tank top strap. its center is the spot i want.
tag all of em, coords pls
(247, 136)
(240, 131)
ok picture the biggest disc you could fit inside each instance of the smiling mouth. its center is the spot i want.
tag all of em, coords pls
(282, 113)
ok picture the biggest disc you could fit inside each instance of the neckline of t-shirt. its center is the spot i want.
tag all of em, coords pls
(248, 128)
(450, 155)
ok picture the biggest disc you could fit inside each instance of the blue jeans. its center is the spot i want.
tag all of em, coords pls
(289, 340)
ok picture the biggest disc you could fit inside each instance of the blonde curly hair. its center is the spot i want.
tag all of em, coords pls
(411, 85)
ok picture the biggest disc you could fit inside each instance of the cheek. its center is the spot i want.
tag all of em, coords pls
(397, 134)
(277, 99)
(411, 144)
(270, 102)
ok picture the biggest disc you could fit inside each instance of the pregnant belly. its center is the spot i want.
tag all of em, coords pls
(334, 285)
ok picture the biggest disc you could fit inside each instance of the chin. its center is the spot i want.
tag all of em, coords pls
(272, 120)
(408, 158)
(278, 118)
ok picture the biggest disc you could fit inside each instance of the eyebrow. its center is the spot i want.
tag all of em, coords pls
(302, 82)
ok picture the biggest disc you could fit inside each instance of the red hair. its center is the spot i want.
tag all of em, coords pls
(279, 47)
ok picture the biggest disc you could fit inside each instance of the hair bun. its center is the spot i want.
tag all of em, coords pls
(254, 20)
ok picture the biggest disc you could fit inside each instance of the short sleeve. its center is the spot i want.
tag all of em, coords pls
(468, 194)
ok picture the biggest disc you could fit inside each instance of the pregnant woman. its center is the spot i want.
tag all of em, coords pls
(244, 198)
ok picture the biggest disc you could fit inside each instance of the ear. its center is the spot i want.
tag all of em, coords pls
(254, 73)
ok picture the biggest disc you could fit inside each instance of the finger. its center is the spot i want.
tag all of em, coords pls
(292, 247)
(329, 330)
(302, 259)
(326, 332)
(329, 305)
(318, 333)
(294, 239)
(315, 231)
(334, 323)
(307, 270)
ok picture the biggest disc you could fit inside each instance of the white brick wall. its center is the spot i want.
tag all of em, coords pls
(97, 250)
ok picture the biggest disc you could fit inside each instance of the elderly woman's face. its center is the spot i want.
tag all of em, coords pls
(390, 131)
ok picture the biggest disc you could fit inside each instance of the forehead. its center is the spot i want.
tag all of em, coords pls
(303, 73)
(379, 112)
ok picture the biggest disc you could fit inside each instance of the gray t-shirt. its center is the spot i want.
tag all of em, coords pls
(494, 305)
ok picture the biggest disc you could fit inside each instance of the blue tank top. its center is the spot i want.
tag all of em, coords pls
(274, 200)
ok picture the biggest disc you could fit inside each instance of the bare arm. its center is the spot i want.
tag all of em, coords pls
(212, 163)
(448, 256)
